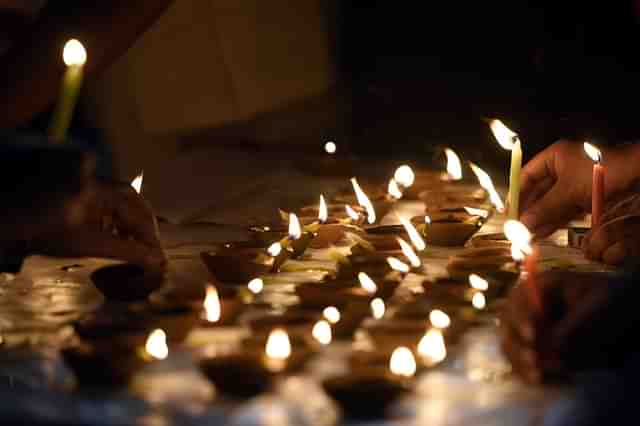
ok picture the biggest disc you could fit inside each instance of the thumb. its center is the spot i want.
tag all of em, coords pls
(552, 208)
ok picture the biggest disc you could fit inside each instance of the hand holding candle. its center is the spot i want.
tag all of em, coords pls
(74, 56)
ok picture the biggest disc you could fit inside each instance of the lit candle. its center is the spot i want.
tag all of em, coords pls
(74, 56)
(485, 182)
(521, 249)
(510, 141)
(597, 187)
(136, 183)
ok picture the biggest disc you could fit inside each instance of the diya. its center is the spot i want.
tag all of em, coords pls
(449, 231)
(220, 308)
(490, 240)
(297, 324)
(341, 292)
(126, 282)
(486, 261)
(240, 263)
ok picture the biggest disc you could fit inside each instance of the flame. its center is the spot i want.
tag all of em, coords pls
(413, 233)
(278, 345)
(477, 212)
(364, 201)
(439, 319)
(454, 168)
(427, 220)
(156, 345)
(212, 304)
(136, 183)
(404, 176)
(432, 347)
(274, 249)
(352, 213)
(394, 190)
(74, 53)
(505, 137)
(409, 253)
(330, 147)
(398, 265)
(487, 184)
(256, 285)
(323, 214)
(593, 152)
(520, 237)
(332, 314)
(377, 308)
(479, 301)
(402, 362)
(478, 282)
(322, 332)
(295, 232)
(367, 283)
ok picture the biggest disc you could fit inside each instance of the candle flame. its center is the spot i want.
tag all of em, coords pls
(322, 332)
(520, 237)
(156, 344)
(352, 213)
(394, 190)
(364, 201)
(487, 184)
(402, 362)
(274, 249)
(398, 265)
(367, 283)
(432, 347)
(74, 53)
(479, 301)
(295, 231)
(278, 345)
(136, 183)
(477, 212)
(404, 176)
(332, 314)
(409, 253)
(439, 319)
(413, 233)
(427, 220)
(323, 213)
(377, 308)
(212, 305)
(454, 168)
(505, 137)
(256, 285)
(330, 147)
(594, 153)
(478, 282)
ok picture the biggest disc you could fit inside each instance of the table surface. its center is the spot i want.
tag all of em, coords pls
(473, 386)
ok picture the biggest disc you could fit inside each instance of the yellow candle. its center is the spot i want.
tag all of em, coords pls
(74, 56)
(514, 180)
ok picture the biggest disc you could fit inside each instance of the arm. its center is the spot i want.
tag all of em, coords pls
(31, 72)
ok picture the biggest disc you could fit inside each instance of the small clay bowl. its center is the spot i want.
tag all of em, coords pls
(119, 325)
(241, 375)
(419, 312)
(102, 366)
(490, 240)
(373, 264)
(176, 320)
(449, 232)
(478, 260)
(330, 234)
(389, 333)
(230, 266)
(363, 395)
(126, 282)
(342, 292)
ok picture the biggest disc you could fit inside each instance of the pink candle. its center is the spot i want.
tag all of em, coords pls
(597, 195)
(531, 269)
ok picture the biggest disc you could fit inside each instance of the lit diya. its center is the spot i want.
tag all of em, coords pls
(451, 319)
(341, 292)
(496, 262)
(447, 230)
(367, 393)
(103, 362)
(221, 308)
(126, 282)
(497, 239)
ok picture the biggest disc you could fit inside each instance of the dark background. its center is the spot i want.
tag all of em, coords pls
(427, 72)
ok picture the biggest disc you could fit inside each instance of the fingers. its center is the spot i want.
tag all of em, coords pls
(552, 208)
(83, 242)
(615, 241)
(537, 170)
(536, 191)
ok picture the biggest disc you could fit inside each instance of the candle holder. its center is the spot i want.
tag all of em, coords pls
(366, 394)
(126, 282)
(497, 239)
(449, 231)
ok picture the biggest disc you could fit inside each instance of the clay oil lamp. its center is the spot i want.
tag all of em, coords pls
(388, 333)
(236, 263)
(329, 230)
(126, 282)
(367, 393)
(177, 319)
(100, 362)
(350, 214)
(219, 310)
(497, 239)
(375, 209)
(297, 323)
(483, 260)
(447, 230)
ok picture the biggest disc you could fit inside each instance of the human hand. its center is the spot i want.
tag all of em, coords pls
(556, 183)
(617, 239)
(568, 334)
